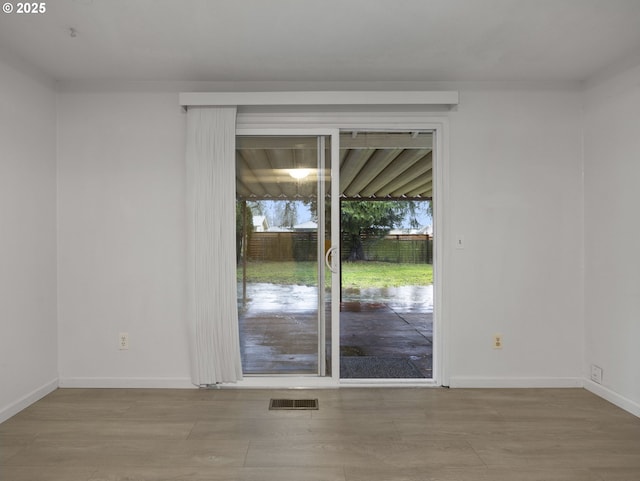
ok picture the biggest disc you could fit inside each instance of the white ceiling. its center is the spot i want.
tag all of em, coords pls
(326, 40)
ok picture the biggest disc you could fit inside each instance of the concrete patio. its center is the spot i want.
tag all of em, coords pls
(385, 333)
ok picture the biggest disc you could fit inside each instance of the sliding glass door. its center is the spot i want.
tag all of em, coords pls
(283, 253)
(334, 236)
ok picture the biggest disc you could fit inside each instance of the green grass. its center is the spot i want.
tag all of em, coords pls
(354, 274)
(385, 274)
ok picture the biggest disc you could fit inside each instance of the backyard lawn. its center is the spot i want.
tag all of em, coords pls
(354, 274)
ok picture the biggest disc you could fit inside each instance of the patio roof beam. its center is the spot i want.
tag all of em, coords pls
(415, 186)
(375, 164)
(420, 191)
(353, 163)
(395, 170)
(397, 184)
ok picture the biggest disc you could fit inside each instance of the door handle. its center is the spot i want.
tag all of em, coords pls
(328, 262)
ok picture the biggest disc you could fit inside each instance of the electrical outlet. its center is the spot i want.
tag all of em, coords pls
(123, 341)
(596, 373)
(497, 341)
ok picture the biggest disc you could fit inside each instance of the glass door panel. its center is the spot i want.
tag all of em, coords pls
(386, 310)
(281, 227)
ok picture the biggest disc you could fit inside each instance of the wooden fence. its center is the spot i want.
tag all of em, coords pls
(400, 248)
(283, 246)
(301, 246)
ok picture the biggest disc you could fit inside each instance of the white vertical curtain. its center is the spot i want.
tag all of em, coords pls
(211, 213)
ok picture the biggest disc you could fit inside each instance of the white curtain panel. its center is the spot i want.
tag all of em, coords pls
(211, 213)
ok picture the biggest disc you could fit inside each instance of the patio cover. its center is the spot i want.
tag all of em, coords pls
(373, 165)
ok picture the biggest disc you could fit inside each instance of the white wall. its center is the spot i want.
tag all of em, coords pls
(28, 330)
(515, 196)
(121, 224)
(612, 233)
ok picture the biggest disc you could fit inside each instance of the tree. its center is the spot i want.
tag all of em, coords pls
(286, 213)
(373, 217)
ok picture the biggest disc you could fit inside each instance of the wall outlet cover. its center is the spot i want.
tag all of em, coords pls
(123, 341)
(596, 374)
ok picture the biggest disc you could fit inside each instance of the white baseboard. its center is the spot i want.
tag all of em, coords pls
(126, 382)
(185, 383)
(515, 382)
(613, 397)
(26, 401)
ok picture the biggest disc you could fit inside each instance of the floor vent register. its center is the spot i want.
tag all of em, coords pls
(293, 404)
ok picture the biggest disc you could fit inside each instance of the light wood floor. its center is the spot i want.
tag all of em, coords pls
(356, 435)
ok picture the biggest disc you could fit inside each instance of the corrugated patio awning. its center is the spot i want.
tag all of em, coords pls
(373, 165)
